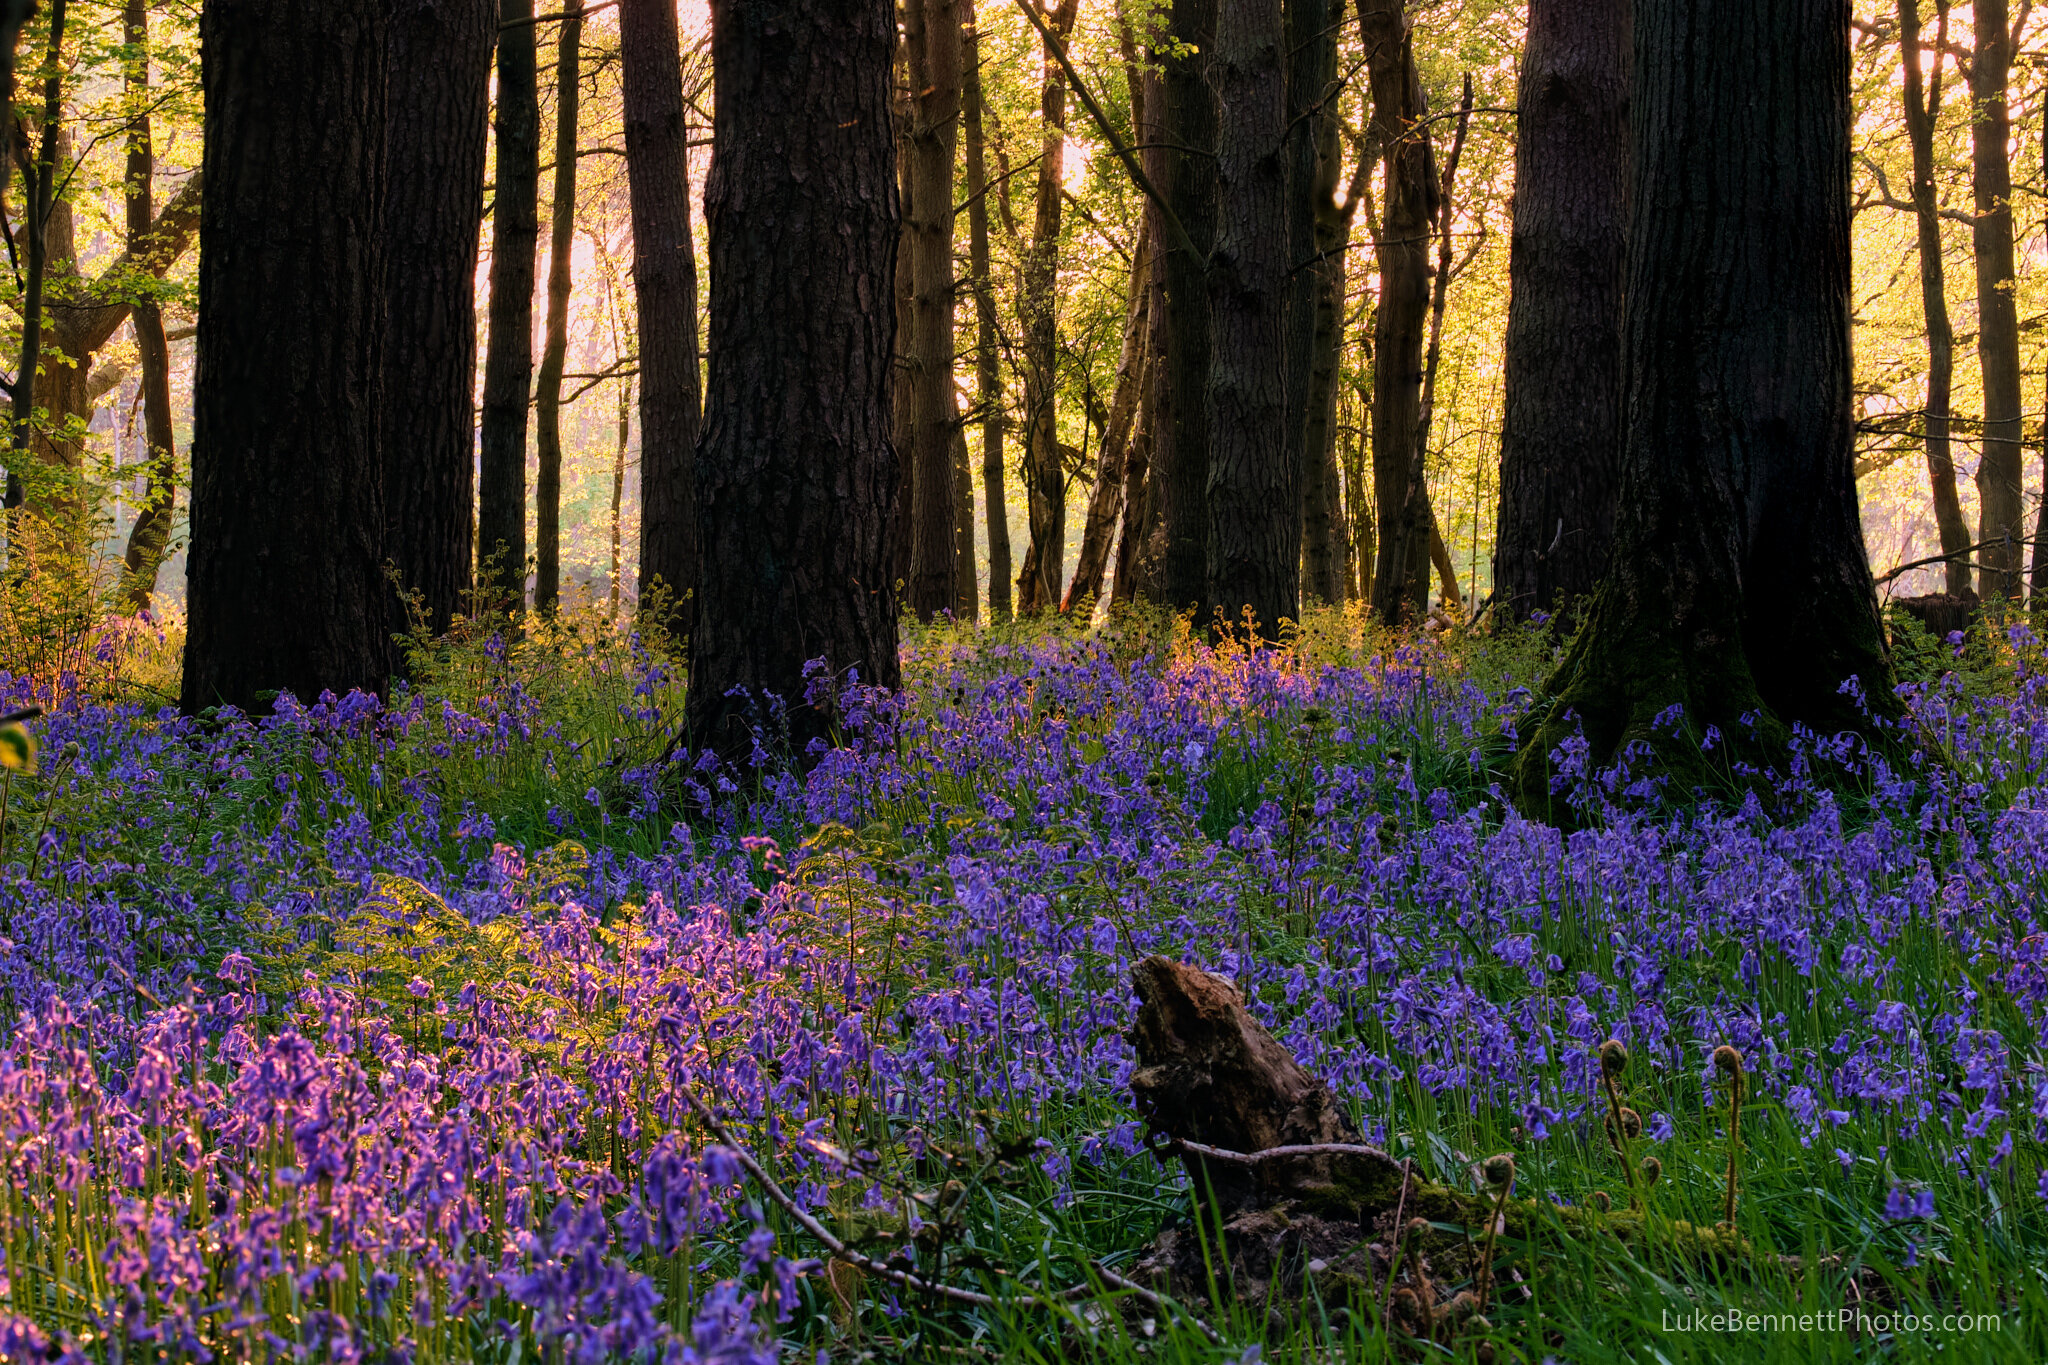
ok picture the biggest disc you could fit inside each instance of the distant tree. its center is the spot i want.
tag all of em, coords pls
(665, 286)
(438, 120)
(988, 390)
(547, 483)
(795, 474)
(2001, 513)
(285, 584)
(508, 354)
(933, 55)
(1738, 588)
(1120, 434)
(1560, 443)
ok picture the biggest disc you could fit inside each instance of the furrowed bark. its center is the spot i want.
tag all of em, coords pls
(933, 48)
(547, 483)
(2001, 521)
(1183, 467)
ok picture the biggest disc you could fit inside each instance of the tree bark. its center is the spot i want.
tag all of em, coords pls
(1045, 475)
(1400, 591)
(547, 482)
(2001, 518)
(285, 584)
(440, 74)
(1254, 491)
(665, 288)
(988, 384)
(1560, 444)
(1325, 548)
(1738, 586)
(508, 355)
(39, 182)
(795, 473)
(1140, 550)
(933, 50)
(966, 588)
(1310, 70)
(1106, 501)
(1190, 133)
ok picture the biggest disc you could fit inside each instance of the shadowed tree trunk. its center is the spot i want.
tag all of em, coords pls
(966, 588)
(547, 482)
(1560, 443)
(1140, 550)
(1738, 469)
(2001, 516)
(152, 528)
(932, 49)
(1106, 501)
(440, 73)
(1310, 70)
(1325, 548)
(988, 384)
(285, 586)
(39, 164)
(508, 355)
(1400, 588)
(1190, 134)
(1254, 475)
(1045, 475)
(665, 287)
(795, 474)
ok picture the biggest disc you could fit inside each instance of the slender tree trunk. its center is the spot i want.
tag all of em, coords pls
(1738, 477)
(1190, 134)
(1325, 548)
(902, 396)
(934, 59)
(1106, 502)
(152, 529)
(1310, 69)
(547, 483)
(1440, 292)
(285, 587)
(508, 355)
(38, 183)
(2038, 588)
(1560, 445)
(966, 587)
(988, 385)
(2001, 516)
(1400, 590)
(1140, 550)
(795, 474)
(440, 74)
(665, 288)
(1045, 475)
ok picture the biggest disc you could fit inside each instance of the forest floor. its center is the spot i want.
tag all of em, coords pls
(397, 1032)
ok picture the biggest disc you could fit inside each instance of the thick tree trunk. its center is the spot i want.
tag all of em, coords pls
(1254, 491)
(1106, 501)
(932, 46)
(1190, 133)
(665, 288)
(286, 588)
(508, 355)
(1045, 475)
(2001, 515)
(547, 481)
(988, 384)
(1400, 590)
(795, 474)
(440, 73)
(1560, 443)
(1738, 582)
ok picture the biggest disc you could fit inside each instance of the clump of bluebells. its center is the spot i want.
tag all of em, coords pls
(375, 1030)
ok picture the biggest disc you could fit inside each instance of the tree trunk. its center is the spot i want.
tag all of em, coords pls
(665, 288)
(440, 74)
(966, 588)
(1045, 475)
(547, 482)
(2001, 517)
(1400, 591)
(902, 397)
(1560, 443)
(795, 474)
(1325, 548)
(1738, 586)
(508, 355)
(1106, 502)
(988, 385)
(1254, 491)
(1440, 290)
(39, 169)
(934, 59)
(286, 588)
(1311, 76)
(152, 529)
(1140, 551)
(1190, 133)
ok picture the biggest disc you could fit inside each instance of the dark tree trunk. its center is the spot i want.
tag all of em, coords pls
(1738, 582)
(440, 74)
(508, 354)
(932, 45)
(1045, 474)
(1183, 466)
(2038, 587)
(1310, 72)
(2001, 514)
(1325, 548)
(152, 528)
(1140, 550)
(966, 589)
(286, 588)
(1254, 489)
(39, 167)
(988, 384)
(795, 474)
(547, 481)
(665, 286)
(1400, 588)
(1106, 501)
(1560, 443)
